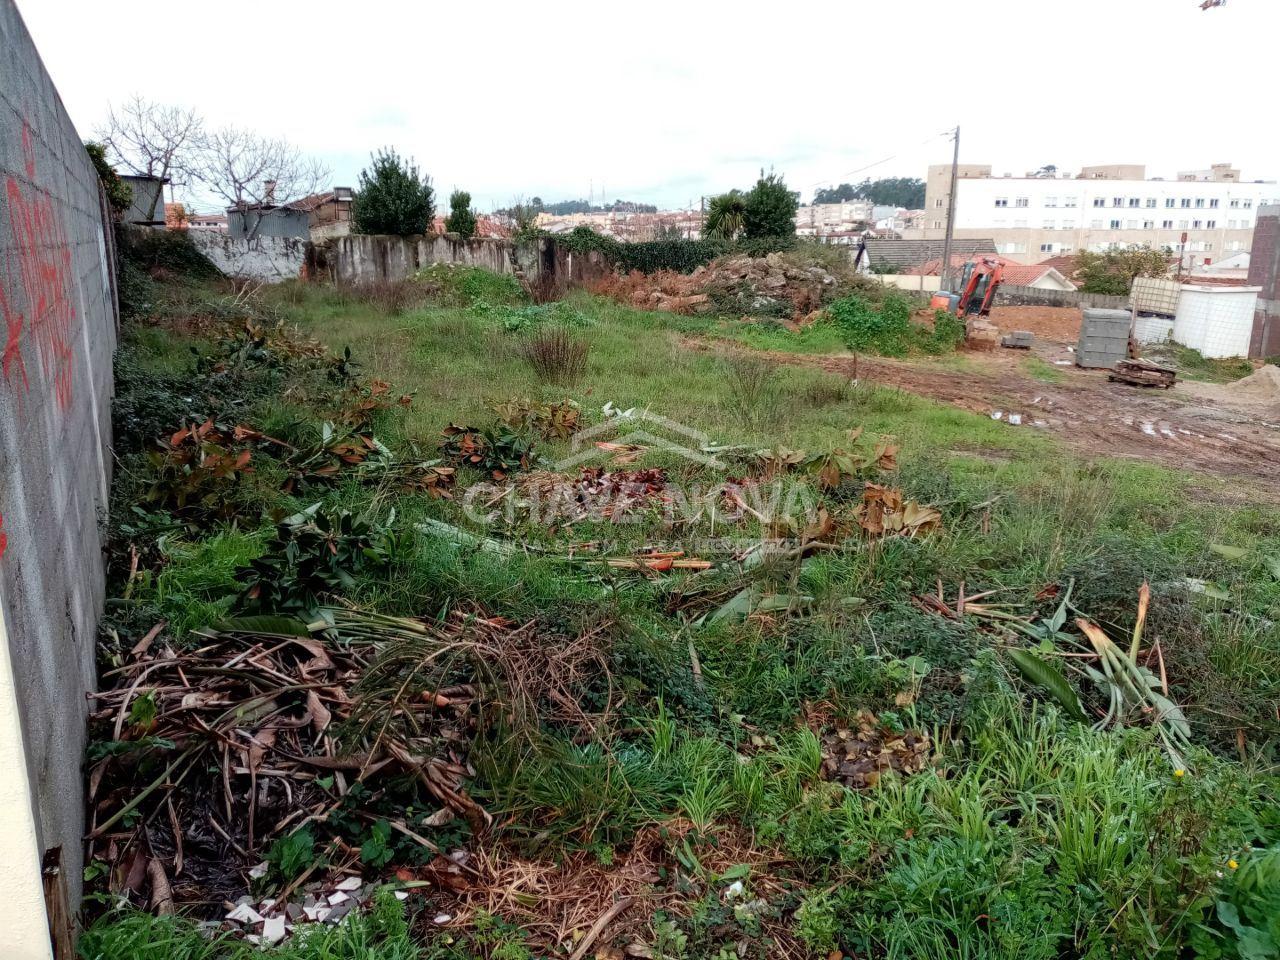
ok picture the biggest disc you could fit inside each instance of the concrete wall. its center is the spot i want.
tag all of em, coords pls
(271, 259)
(1011, 294)
(365, 258)
(1264, 272)
(907, 281)
(59, 333)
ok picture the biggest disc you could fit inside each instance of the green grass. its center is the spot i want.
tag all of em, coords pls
(1038, 369)
(1032, 835)
(1192, 365)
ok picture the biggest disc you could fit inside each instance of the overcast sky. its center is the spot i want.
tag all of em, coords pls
(665, 101)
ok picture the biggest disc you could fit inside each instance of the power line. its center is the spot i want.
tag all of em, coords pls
(852, 173)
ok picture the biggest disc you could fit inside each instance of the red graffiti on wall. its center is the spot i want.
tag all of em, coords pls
(43, 266)
(4, 539)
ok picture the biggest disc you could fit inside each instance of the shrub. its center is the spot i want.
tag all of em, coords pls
(170, 251)
(393, 198)
(556, 355)
(725, 215)
(1113, 271)
(769, 209)
(119, 193)
(461, 219)
(888, 330)
(753, 389)
(458, 286)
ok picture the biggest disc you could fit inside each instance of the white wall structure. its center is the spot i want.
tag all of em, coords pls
(1034, 218)
(270, 259)
(1217, 321)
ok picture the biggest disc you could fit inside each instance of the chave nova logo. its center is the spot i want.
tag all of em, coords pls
(645, 430)
(598, 482)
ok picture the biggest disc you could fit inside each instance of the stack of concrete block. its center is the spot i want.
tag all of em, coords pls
(1104, 337)
(1018, 339)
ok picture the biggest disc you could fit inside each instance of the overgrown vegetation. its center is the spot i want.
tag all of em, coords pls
(870, 741)
(1113, 271)
(461, 219)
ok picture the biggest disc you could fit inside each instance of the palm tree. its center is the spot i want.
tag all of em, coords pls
(725, 216)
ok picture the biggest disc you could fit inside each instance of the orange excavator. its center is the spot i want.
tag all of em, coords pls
(978, 282)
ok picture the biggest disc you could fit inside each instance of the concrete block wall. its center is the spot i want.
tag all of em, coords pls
(1011, 294)
(58, 334)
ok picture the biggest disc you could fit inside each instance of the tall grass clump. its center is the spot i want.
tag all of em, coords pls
(555, 355)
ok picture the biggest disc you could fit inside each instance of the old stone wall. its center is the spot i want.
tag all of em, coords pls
(58, 334)
(270, 259)
(1015, 295)
(368, 258)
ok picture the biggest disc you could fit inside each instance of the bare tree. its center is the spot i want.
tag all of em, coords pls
(249, 171)
(152, 140)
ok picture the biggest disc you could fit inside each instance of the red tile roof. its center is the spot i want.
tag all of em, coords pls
(1024, 274)
(930, 268)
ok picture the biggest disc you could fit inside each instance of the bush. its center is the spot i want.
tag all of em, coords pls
(680, 255)
(119, 193)
(392, 198)
(888, 330)
(556, 355)
(459, 286)
(461, 219)
(170, 251)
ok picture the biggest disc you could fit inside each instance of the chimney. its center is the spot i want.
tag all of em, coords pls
(269, 191)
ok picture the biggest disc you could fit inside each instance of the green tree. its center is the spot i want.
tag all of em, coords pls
(725, 216)
(1112, 271)
(393, 198)
(841, 194)
(461, 219)
(769, 209)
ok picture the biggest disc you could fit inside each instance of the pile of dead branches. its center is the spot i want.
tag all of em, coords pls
(201, 760)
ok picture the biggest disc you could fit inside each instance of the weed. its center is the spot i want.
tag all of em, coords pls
(555, 355)
(752, 388)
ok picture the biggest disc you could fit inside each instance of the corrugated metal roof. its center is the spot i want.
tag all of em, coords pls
(905, 254)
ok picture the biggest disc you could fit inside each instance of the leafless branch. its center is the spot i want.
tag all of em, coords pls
(151, 139)
(245, 169)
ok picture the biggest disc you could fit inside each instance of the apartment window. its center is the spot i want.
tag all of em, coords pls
(937, 224)
(1068, 224)
(1151, 201)
(1208, 246)
(1095, 224)
(1050, 201)
(1002, 201)
(1235, 203)
(1214, 203)
(1148, 224)
(1246, 225)
(1131, 224)
(1117, 201)
(1199, 202)
(1183, 224)
(1231, 224)
(1247, 204)
(1116, 224)
(1197, 224)
(1211, 224)
(1099, 202)
(1023, 202)
(1046, 248)
(1069, 202)
(1050, 224)
(1185, 202)
(1168, 201)
(1135, 201)
(1166, 224)
(937, 202)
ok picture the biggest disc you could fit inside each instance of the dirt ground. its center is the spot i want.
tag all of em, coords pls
(1059, 324)
(1210, 428)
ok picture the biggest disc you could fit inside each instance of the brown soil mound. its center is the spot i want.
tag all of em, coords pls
(1262, 384)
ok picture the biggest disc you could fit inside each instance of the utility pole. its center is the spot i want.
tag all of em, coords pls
(944, 270)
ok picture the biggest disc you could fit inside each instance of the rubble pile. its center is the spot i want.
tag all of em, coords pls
(774, 285)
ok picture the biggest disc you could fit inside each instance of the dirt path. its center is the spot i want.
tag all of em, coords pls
(1194, 426)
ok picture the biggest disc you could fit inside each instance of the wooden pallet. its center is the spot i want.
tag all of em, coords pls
(1143, 373)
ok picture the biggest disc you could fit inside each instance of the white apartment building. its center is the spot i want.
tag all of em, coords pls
(1034, 218)
(819, 219)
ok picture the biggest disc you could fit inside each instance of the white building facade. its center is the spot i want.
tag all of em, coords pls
(1034, 218)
